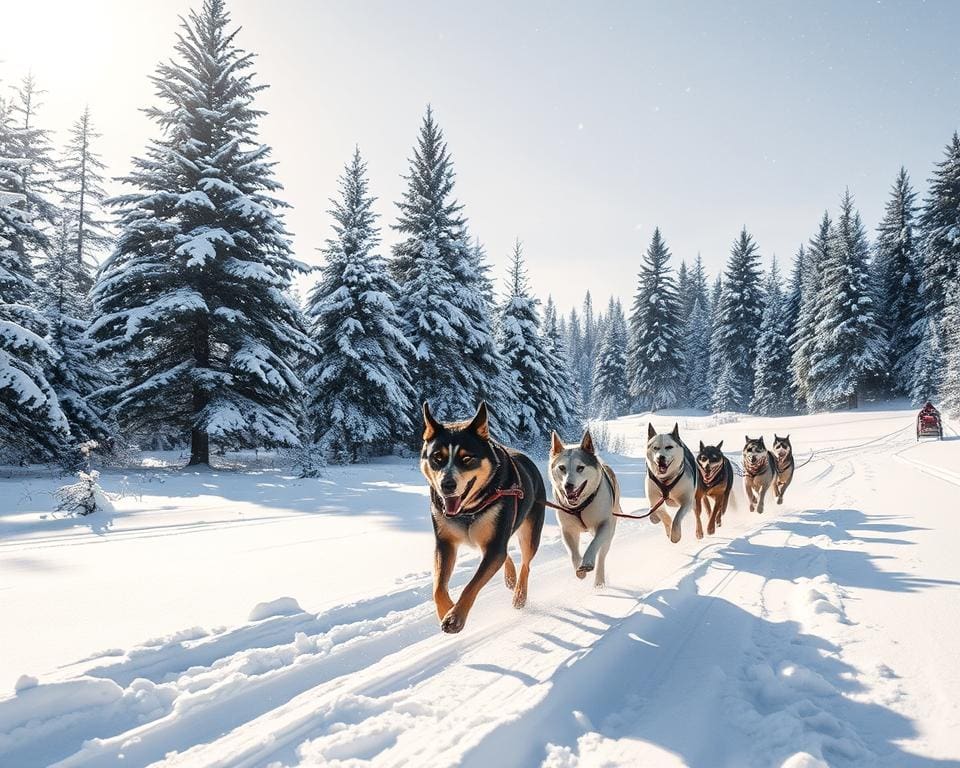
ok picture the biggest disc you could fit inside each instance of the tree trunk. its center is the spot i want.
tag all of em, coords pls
(199, 438)
(199, 447)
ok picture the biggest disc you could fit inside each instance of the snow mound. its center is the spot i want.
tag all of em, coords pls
(25, 682)
(282, 606)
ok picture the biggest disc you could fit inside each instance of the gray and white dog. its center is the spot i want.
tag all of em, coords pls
(587, 491)
(758, 472)
(671, 477)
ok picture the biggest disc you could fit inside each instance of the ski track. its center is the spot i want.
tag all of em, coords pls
(375, 683)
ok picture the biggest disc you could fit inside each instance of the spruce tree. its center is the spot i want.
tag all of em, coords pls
(771, 382)
(588, 351)
(737, 327)
(32, 423)
(610, 392)
(444, 294)
(794, 294)
(38, 170)
(683, 289)
(523, 350)
(567, 388)
(80, 181)
(698, 289)
(849, 347)
(194, 302)
(949, 383)
(810, 308)
(927, 373)
(940, 220)
(897, 284)
(655, 349)
(696, 353)
(360, 397)
(75, 373)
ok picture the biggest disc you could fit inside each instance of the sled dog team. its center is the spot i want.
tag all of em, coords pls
(483, 493)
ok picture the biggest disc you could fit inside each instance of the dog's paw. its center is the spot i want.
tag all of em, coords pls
(779, 499)
(700, 533)
(510, 579)
(519, 599)
(583, 570)
(599, 584)
(711, 528)
(654, 517)
(453, 622)
(675, 535)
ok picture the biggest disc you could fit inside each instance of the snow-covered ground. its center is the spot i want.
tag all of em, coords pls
(824, 632)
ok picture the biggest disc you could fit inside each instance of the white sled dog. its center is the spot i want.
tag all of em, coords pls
(671, 479)
(587, 492)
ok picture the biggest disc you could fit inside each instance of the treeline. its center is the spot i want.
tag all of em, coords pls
(189, 334)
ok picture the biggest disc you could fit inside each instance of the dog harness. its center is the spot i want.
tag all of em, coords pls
(787, 465)
(665, 488)
(771, 463)
(713, 480)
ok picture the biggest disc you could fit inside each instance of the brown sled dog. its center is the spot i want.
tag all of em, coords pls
(713, 490)
(481, 494)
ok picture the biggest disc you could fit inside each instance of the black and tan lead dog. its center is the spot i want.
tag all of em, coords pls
(481, 493)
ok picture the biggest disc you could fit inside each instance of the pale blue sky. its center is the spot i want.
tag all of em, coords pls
(576, 126)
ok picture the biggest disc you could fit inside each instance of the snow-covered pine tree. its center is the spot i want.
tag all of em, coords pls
(804, 335)
(940, 220)
(567, 390)
(849, 347)
(771, 381)
(66, 271)
(683, 288)
(38, 171)
(75, 373)
(696, 355)
(194, 301)
(611, 397)
(698, 289)
(360, 397)
(80, 181)
(32, 423)
(794, 296)
(927, 373)
(443, 297)
(716, 301)
(737, 327)
(495, 381)
(655, 348)
(897, 285)
(949, 383)
(523, 350)
(574, 343)
(588, 351)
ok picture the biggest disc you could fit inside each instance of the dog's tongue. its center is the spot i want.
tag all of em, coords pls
(451, 504)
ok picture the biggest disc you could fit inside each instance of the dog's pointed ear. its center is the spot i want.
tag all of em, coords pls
(701, 446)
(720, 445)
(481, 422)
(651, 432)
(746, 438)
(787, 438)
(676, 432)
(430, 425)
(556, 444)
(760, 442)
(587, 443)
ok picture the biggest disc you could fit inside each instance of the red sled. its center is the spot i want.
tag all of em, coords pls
(929, 423)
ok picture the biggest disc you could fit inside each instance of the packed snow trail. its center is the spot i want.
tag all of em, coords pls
(819, 633)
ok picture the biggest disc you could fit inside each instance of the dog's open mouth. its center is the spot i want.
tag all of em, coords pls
(573, 496)
(662, 464)
(453, 504)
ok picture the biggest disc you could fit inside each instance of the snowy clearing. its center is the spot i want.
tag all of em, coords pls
(252, 619)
